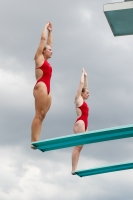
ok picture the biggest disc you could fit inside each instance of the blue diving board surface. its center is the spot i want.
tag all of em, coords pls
(120, 17)
(85, 138)
(101, 170)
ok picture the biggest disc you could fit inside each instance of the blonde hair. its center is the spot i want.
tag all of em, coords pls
(45, 47)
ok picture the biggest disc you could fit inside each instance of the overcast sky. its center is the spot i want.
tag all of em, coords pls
(81, 38)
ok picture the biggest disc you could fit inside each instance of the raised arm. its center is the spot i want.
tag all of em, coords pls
(43, 41)
(49, 40)
(81, 85)
(85, 80)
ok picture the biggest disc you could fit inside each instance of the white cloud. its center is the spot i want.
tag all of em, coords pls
(85, 14)
(30, 178)
(14, 87)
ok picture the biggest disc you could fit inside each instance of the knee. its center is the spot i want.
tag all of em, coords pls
(41, 115)
(79, 148)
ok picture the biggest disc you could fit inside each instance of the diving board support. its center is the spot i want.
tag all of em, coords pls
(107, 169)
(85, 138)
(120, 17)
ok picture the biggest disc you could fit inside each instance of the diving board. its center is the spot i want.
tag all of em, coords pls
(85, 138)
(101, 170)
(120, 17)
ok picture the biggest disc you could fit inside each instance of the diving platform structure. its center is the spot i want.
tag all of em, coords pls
(120, 17)
(101, 170)
(85, 138)
(102, 135)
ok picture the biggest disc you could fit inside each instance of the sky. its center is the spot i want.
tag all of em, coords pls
(81, 38)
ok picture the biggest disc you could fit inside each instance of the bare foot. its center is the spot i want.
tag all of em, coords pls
(73, 172)
(32, 147)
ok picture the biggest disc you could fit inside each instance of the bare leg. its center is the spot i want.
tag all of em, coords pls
(36, 128)
(78, 128)
(42, 105)
(75, 157)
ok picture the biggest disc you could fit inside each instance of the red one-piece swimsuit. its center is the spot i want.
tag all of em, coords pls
(47, 73)
(85, 113)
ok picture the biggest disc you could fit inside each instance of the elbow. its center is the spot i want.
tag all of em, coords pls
(43, 38)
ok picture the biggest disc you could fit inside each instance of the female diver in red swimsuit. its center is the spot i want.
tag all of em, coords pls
(43, 72)
(82, 110)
